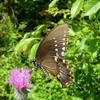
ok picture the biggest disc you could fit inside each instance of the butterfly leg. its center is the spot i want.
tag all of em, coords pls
(35, 65)
(45, 72)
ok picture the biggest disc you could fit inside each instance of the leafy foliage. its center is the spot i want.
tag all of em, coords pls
(92, 7)
(23, 25)
(77, 6)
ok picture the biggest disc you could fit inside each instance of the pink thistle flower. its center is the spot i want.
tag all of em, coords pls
(20, 78)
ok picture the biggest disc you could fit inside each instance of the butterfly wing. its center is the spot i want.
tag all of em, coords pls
(54, 44)
(51, 50)
(59, 69)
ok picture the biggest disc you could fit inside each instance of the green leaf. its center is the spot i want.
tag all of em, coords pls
(27, 47)
(21, 45)
(77, 6)
(33, 51)
(1, 6)
(92, 7)
(22, 25)
(38, 31)
(53, 3)
(83, 44)
(71, 32)
(76, 98)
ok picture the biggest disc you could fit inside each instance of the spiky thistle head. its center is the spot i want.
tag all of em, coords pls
(20, 79)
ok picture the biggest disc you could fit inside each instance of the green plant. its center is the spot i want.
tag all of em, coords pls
(22, 30)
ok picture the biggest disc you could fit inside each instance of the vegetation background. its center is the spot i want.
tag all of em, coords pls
(23, 23)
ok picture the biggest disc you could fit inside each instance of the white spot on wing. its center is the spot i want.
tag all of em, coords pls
(57, 54)
(64, 35)
(64, 48)
(55, 45)
(64, 43)
(63, 53)
(56, 49)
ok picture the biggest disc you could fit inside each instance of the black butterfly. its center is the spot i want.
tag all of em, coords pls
(50, 55)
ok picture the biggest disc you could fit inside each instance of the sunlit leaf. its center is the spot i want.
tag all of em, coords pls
(76, 8)
(71, 32)
(38, 31)
(22, 43)
(82, 44)
(53, 3)
(92, 7)
(22, 25)
(28, 45)
(33, 51)
(76, 98)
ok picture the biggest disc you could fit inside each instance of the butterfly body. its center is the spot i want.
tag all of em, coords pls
(50, 54)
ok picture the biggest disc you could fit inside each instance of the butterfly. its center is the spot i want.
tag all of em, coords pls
(51, 52)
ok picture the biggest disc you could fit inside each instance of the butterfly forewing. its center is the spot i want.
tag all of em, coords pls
(51, 52)
(54, 44)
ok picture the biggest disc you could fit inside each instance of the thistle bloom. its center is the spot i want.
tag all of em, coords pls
(20, 78)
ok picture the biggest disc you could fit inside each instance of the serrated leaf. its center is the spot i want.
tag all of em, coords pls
(92, 7)
(53, 3)
(77, 6)
(33, 51)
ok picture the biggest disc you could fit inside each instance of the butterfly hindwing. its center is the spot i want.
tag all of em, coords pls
(64, 73)
(58, 68)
